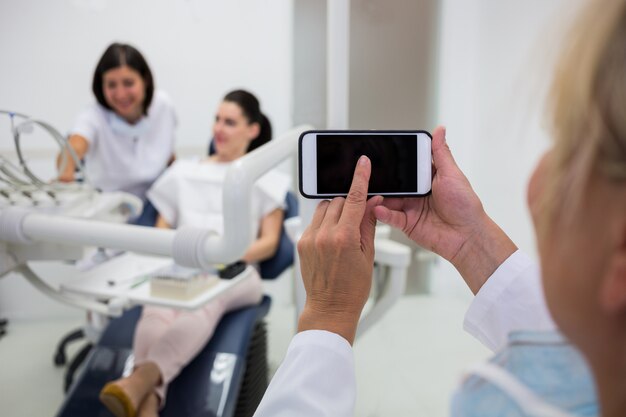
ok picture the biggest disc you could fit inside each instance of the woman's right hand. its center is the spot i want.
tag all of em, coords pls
(337, 259)
(67, 175)
(80, 146)
(451, 221)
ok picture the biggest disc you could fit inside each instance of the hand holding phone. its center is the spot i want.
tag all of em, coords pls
(401, 162)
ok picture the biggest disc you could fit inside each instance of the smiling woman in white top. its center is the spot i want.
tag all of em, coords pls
(127, 138)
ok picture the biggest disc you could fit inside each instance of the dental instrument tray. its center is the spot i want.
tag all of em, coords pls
(181, 283)
(129, 277)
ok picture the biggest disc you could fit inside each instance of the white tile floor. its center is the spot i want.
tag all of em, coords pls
(31, 384)
(407, 364)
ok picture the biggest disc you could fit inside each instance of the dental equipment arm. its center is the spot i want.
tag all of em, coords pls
(28, 234)
(395, 258)
(22, 180)
(188, 246)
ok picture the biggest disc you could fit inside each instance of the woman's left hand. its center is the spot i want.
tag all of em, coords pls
(337, 257)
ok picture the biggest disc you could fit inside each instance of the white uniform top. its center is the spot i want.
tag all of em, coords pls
(189, 193)
(125, 157)
(317, 377)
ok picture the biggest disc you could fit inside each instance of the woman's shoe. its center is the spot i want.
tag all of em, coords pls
(117, 401)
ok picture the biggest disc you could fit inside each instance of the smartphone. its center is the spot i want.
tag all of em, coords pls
(401, 162)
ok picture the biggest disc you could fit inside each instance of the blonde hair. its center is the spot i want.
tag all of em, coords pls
(588, 99)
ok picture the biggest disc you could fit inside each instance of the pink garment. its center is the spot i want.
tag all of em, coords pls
(172, 338)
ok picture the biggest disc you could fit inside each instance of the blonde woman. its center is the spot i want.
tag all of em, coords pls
(577, 197)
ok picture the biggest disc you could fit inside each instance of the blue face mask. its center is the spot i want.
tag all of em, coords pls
(121, 127)
(538, 374)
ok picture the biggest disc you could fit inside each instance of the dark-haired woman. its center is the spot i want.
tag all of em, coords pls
(127, 138)
(189, 193)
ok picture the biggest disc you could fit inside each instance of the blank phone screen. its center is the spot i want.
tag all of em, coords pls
(394, 162)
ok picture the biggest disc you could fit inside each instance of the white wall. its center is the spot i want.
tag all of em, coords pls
(496, 63)
(198, 50)
(393, 51)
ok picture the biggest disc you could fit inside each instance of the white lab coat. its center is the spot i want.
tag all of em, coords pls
(129, 160)
(317, 377)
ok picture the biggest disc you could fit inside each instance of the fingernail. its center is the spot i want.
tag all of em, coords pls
(363, 160)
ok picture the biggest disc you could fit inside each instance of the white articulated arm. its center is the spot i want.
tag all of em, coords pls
(396, 257)
(27, 226)
(188, 246)
(238, 184)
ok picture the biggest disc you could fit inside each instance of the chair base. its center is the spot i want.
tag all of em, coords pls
(60, 358)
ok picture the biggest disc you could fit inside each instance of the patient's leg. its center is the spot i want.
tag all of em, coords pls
(167, 340)
(150, 328)
(149, 406)
(124, 396)
(191, 330)
(246, 293)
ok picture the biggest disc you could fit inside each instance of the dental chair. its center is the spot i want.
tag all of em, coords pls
(227, 378)
(270, 269)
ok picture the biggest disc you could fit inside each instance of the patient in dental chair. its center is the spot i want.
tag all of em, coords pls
(190, 194)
